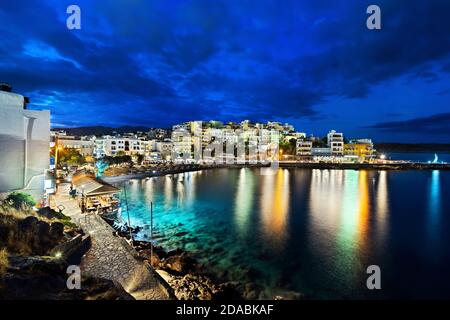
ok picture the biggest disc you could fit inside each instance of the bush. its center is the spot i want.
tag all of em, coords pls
(19, 200)
(53, 214)
(4, 263)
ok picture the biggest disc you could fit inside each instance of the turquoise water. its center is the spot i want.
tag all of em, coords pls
(308, 231)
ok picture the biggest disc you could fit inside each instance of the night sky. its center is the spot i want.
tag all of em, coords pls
(311, 63)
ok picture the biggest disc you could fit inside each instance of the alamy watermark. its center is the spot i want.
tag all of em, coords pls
(74, 280)
(374, 280)
(373, 22)
(73, 21)
(226, 146)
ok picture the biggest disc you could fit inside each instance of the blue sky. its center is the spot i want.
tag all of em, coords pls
(310, 63)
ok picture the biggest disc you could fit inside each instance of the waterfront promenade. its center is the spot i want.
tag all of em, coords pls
(111, 257)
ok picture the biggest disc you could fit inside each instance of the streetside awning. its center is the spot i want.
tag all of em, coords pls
(92, 186)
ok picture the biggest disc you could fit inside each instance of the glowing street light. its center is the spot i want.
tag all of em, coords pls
(383, 157)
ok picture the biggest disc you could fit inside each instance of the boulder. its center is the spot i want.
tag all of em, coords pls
(57, 230)
(28, 224)
(180, 264)
(43, 229)
(43, 278)
(197, 287)
(46, 212)
(37, 265)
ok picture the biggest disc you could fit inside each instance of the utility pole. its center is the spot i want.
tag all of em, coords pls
(151, 233)
(56, 162)
(128, 212)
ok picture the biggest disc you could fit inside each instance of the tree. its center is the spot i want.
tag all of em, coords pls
(18, 200)
(101, 165)
(139, 158)
(71, 157)
(68, 156)
(322, 143)
(288, 147)
(117, 160)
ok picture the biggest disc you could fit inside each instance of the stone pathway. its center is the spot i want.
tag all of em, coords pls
(111, 257)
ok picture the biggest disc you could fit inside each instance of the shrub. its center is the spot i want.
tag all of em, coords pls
(20, 200)
(4, 263)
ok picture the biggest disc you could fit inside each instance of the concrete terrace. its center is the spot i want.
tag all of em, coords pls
(111, 257)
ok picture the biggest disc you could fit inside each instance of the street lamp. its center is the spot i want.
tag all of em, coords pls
(83, 205)
(57, 148)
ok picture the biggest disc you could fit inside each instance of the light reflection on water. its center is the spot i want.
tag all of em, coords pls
(244, 200)
(310, 231)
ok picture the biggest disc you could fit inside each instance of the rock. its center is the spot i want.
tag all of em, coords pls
(289, 295)
(41, 278)
(29, 223)
(43, 228)
(36, 265)
(175, 252)
(49, 213)
(229, 291)
(252, 295)
(57, 230)
(197, 287)
(180, 264)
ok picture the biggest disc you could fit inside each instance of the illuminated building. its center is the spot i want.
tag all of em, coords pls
(360, 148)
(335, 142)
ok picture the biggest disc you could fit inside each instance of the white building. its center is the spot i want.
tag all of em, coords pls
(84, 146)
(165, 149)
(182, 143)
(24, 144)
(304, 147)
(335, 142)
(115, 144)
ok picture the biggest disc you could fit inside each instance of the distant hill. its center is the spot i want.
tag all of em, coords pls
(101, 130)
(412, 147)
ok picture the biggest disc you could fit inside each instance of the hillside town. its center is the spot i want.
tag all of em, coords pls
(166, 145)
(32, 151)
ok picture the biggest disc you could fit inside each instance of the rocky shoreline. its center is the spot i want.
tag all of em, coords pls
(188, 279)
(37, 248)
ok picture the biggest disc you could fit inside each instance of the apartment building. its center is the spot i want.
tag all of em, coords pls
(361, 148)
(335, 141)
(165, 149)
(304, 147)
(130, 145)
(84, 146)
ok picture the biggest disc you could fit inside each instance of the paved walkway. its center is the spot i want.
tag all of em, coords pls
(111, 257)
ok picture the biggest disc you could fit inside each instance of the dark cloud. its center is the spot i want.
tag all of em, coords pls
(436, 124)
(159, 62)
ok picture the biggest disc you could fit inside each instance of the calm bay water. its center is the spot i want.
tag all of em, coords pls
(308, 231)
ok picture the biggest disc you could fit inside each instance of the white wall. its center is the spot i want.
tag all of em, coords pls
(24, 144)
